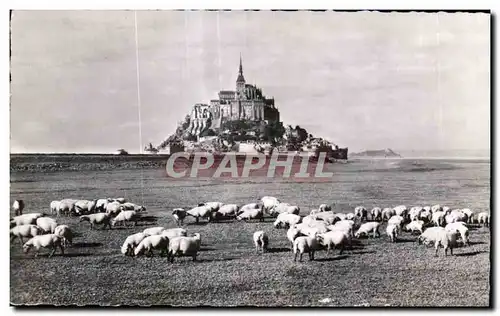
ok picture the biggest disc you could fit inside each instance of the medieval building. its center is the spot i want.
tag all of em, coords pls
(245, 103)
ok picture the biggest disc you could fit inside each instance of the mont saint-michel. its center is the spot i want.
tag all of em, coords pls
(242, 120)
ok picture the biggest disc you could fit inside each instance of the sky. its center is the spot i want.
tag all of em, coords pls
(363, 80)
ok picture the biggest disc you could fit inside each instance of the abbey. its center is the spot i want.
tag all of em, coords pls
(245, 103)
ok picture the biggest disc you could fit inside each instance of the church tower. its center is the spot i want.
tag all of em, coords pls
(240, 82)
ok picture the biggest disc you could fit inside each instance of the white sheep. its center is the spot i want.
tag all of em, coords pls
(470, 215)
(309, 219)
(97, 219)
(415, 213)
(65, 233)
(284, 208)
(131, 242)
(348, 216)
(396, 220)
(311, 230)
(324, 208)
(54, 207)
(101, 204)
(303, 244)
(66, 207)
(368, 227)
(285, 220)
(51, 241)
(124, 217)
(114, 208)
(174, 232)
(361, 212)
(150, 243)
(401, 210)
(200, 212)
(328, 217)
(179, 214)
(153, 231)
(226, 211)
(446, 210)
(393, 232)
(18, 207)
(460, 216)
(27, 231)
(438, 218)
(293, 233)
(387, 213)
(462, 229)
(26, 219)
(251, 211)
(212, 206)
(345, 225)
(184, 246)
(416, 225)
(440, 237)
(261, 241)
(425, 215)
(83, 207)
(127, 206)
(47, 224)
(376, 213)
(269, 203)
(436, 208)
(334, 239)
(484, 218)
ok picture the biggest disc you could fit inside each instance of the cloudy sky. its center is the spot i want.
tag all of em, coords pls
(364, 80)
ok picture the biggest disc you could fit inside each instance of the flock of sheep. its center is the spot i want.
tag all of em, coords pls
(321, 229)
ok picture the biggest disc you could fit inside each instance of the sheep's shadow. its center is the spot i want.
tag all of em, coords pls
(86, 244)
(404, 240)
(469, 254)
(363, 252)
(74, 254)
(197, 224)
(207, 249)
(205, 260)
(278, 250)
(334, 258)
(148, 218)
(472, 243)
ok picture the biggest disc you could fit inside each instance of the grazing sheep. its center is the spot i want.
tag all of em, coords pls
(284, 208)
(65, 233)
(438, 218)
(314, 211)
(18, 207)
(387, 213)
(26, 219)
(212, 206)
(303, 244)
(437, 208)
(125, 216)
(127, 206)
(174, 232)
(470, 215)
(334, 239)
(66, 207)
(343, 216)
(226, 211)
(309, 219)
(484, 218)
(261, 241)
(184, 246)
(396, 220)
(310, 230)
(51, 241)
(269, 203)
(83, 207)
(293, 233)
(425, 215)
(401, 210)
(114, 208)
(27, 231)
(446, 210)
(120, 200)
(361, 212)
(150, 243)
(368, 227)
(440, 237)
(460, 228)
(393, 232)
(179, 214)
(415, 226)
(324, 208)
(286, 220)
(376, 213)
(251, 211)
(131, 242)
(459, 216)
(54, 207)
(415, 213)
(101, 204)
(153, 231)
(345, 225)
(347, 230)
(47, 224)
(200, 212)
(348, 216)
(328, 217)
(97, 219)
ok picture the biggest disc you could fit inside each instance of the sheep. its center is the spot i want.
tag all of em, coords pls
(361, 212)
(285, 208)
(345, 225)
(66, 207)
(462, 229)
(368, 227)
(261, 241)
(286, 220)
(18, 207)
(437, 208)
(174, 232)
(401, 210)
(440, 237)
(54, 207)
(226, 211)
(153, 231)
(199, 212)
(415, 212)
(311, 230)
(127, 206)
(269, 203)
(212, 206)
(120, 200)
(450, 218)
(249, 212)
(114, 208)
(446, 209)
(65, 233)
(304, 244)
(328, 217)
(51, 241)
(26, 219)
(460, 216)
(125, 216)
(484, 218)
(343, 216)
(470, 215)
(376, 213)
(396, 220)
(387, 213)
(24, 231)
(438, 218)
(97, 219)
(417, 225)
(308, 219)
(184, 246)
(156, 242)
(347, 230)
(131, 242)
(425, 215)
(314, 211)
(324, 208)
(179, 214)
(349, 216)
(293, 233)
(47, 224)
(83, 207)
(393, 232)
(101, 204)
(334, 239)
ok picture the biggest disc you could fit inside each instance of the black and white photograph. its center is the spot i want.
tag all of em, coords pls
(250, 158)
